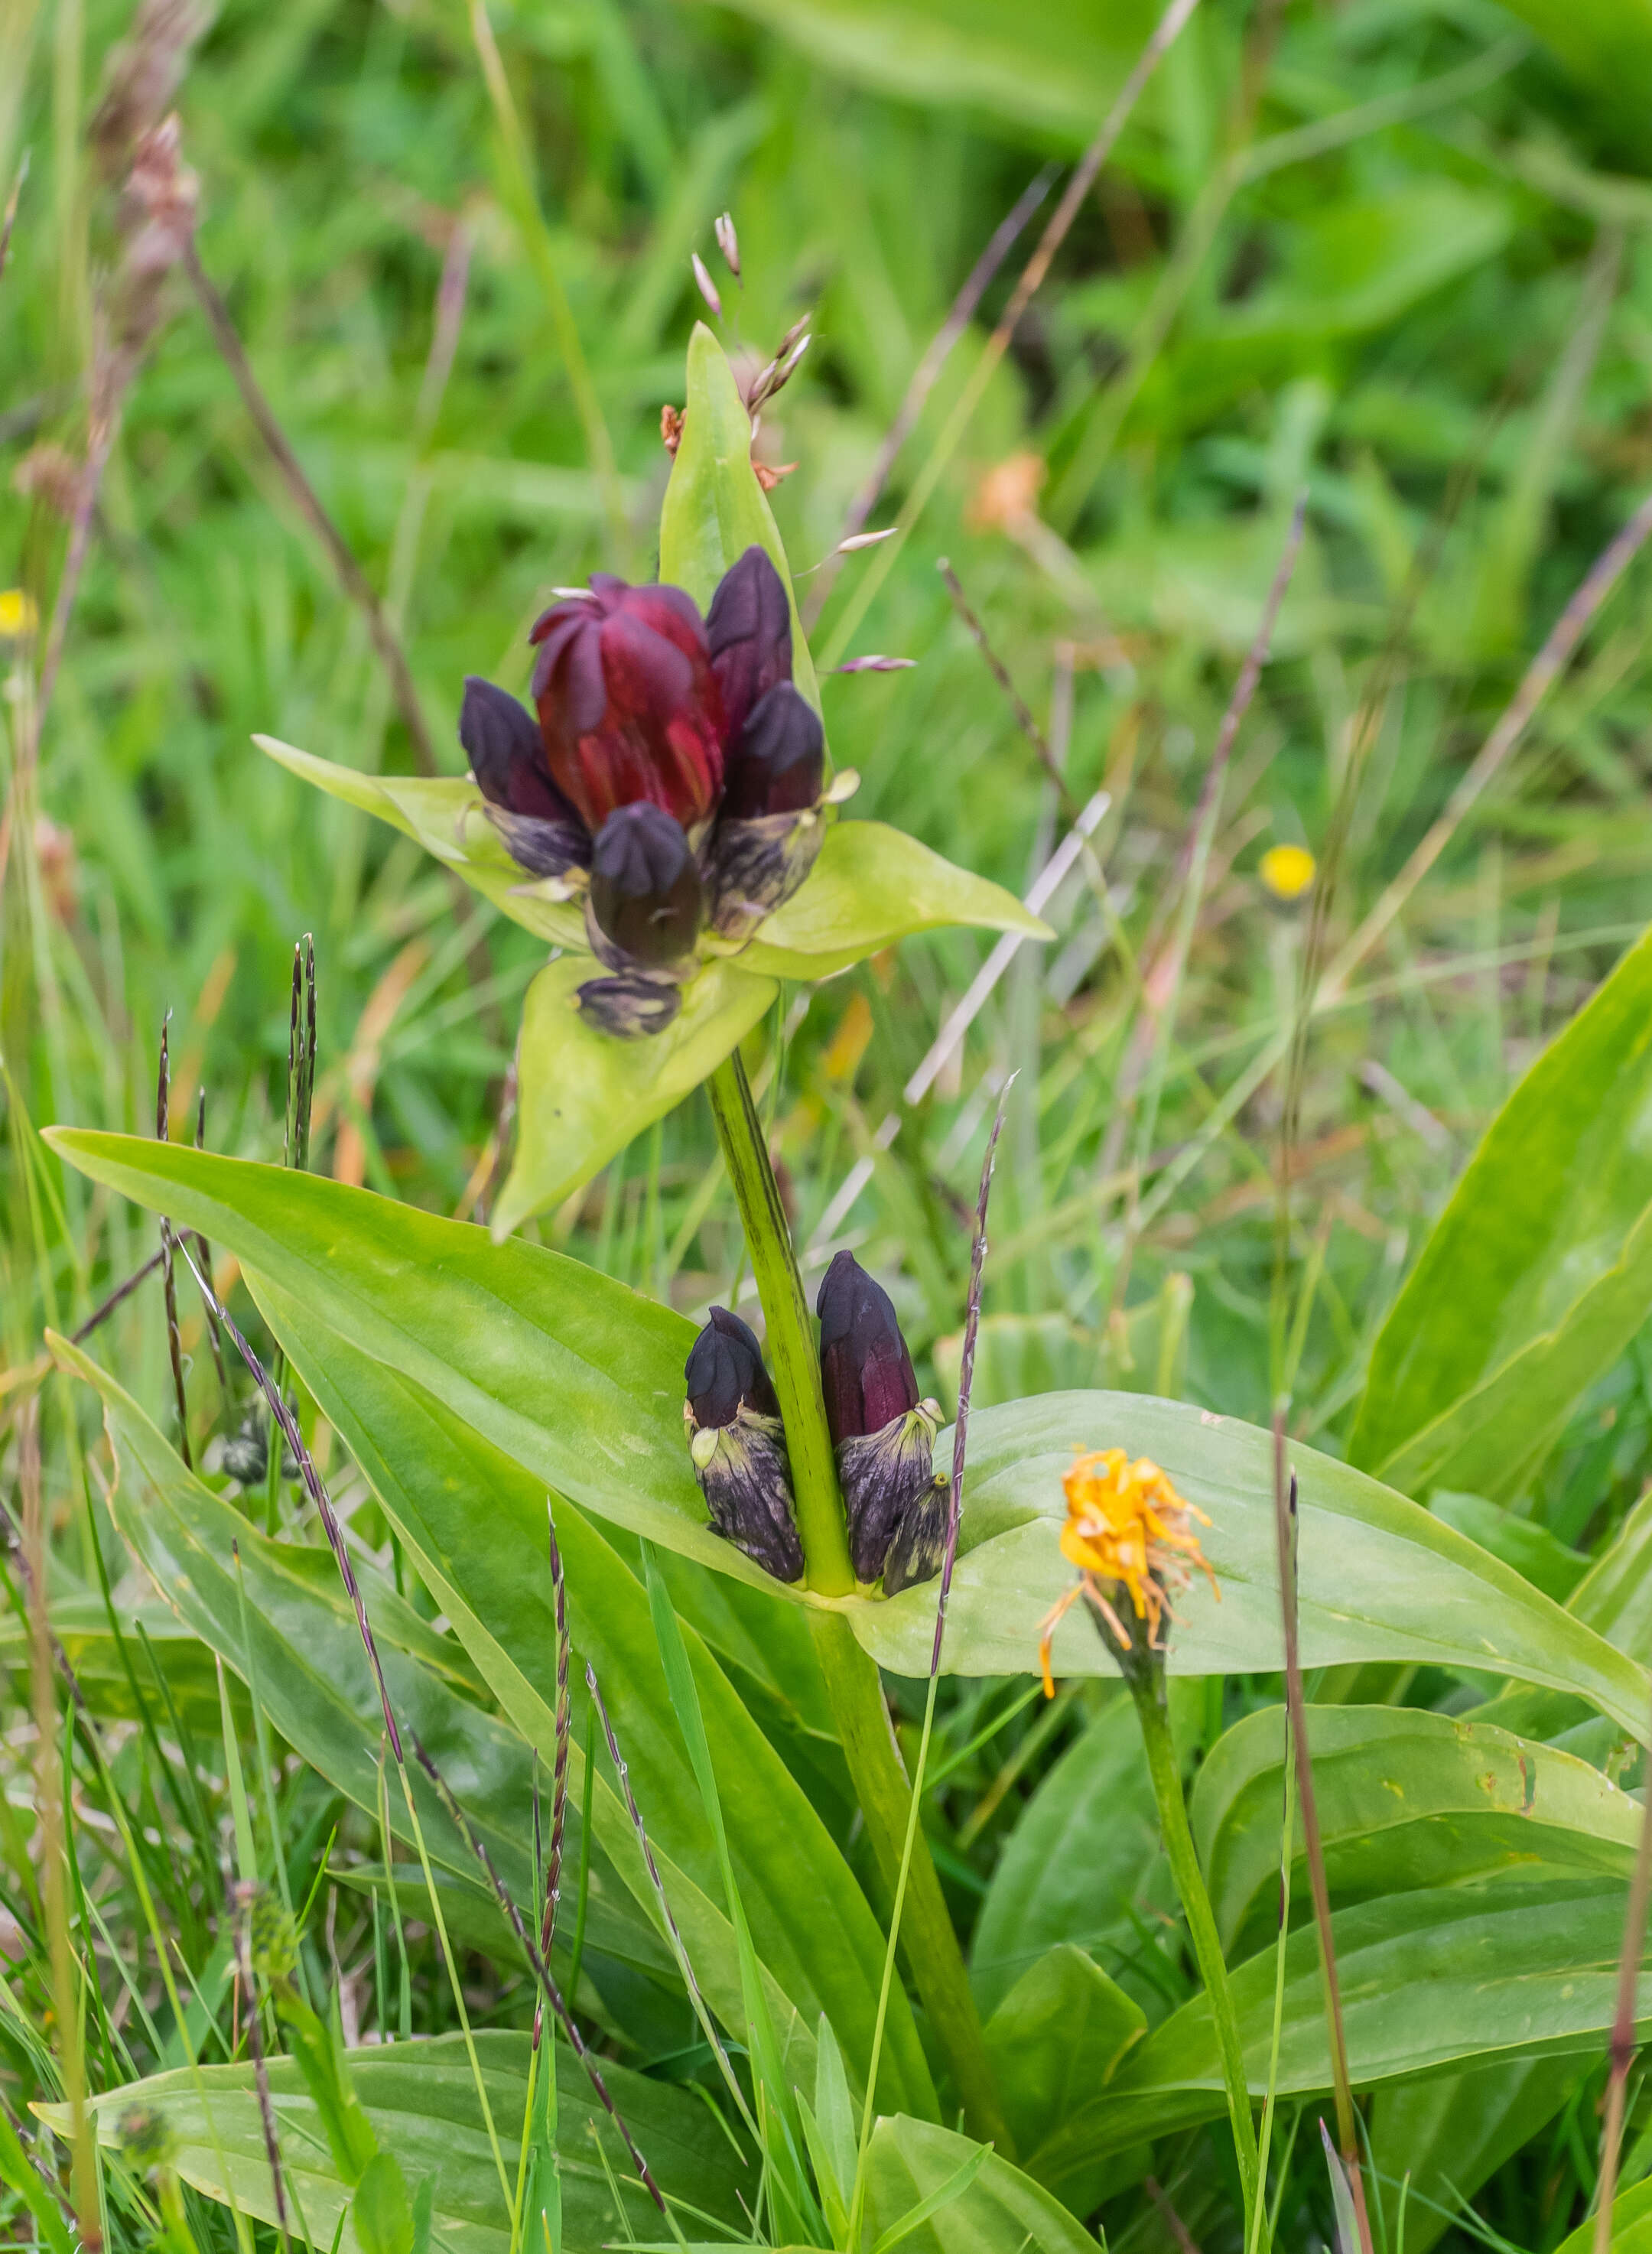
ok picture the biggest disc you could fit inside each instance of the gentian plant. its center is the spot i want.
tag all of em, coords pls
(667, 821)
(743, 1528)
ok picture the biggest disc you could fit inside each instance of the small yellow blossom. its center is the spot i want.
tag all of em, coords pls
(1125, 1522)
(1287, 871)
(18, 616)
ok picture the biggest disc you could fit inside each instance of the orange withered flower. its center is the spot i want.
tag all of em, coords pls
(1126, 1527)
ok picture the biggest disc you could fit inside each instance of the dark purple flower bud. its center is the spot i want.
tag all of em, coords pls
(864, 1366)
(629, 706)
(749, 632)
(629, 1004)
(645, 898)
(501, 739)
(920, 1544)
(724, 1372)
(884, 1436)
(777, 763)
(737, 1446)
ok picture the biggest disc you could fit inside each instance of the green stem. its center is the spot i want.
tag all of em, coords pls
(792, 1352)
(875, 1765)
(1147, 1686)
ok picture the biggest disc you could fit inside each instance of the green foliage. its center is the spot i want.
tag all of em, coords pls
(1396, 256)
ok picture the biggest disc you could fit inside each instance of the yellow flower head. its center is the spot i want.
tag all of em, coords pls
(18, 616)
(1126, 1524)
(1287, 871)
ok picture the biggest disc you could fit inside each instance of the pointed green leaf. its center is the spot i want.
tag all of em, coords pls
(1057, 2038)
(990, 2207)
(1406, 1799)
(583, 1095)
(870, 886)
(1539, 1272)
(445, 816)
(715, 509)
(421, 2103)
(1379, 1578)
(1496, 1968)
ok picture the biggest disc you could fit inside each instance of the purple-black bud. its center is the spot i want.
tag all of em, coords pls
(864, 1366)
(645, 897)
(883, 1434)
(541, 828)
(629, 1004)
(779, 760)
(748, 629)
(724, 1372)
(737, 1446)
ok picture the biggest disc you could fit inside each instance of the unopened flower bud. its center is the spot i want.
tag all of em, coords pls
(704, 284)
(541, 828)
(749, 632)
(646, 899)
(920, 1544)
(777, 761)
(737, 1446)
(728, 243)
(884, 1435)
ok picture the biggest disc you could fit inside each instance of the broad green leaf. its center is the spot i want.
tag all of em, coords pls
(1538, 1273)
(583, 1094)
(1406, 1799)
(1615, 1596)
(297, 1632)
(998, 2210)
(422, 2102)
(1379, 1578)
(1531, 1548)
(1056, 2038)
(715, 509)
(1493, 1970)
(380, 2212)
(1083, 1864)
(445, 816)
(1451, 2133)
(870, 886)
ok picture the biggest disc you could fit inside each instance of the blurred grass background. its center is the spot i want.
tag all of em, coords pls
(1394, 252)
(1395, 255)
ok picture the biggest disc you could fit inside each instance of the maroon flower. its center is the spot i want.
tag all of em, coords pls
(629, 707)
(865, 1369)
(645, 898)
(540, 830)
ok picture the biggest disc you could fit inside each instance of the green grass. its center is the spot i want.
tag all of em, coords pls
(1437, 318)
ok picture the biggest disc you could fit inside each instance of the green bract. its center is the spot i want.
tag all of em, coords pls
(583, 1092)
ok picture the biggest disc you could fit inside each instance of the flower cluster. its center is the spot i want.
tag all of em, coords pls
(1127, 1526)
(670, 774)
(883, 1435)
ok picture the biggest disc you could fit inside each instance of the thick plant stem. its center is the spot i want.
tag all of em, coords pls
(1201, 1925)
(880, 1779)
(792, 1355)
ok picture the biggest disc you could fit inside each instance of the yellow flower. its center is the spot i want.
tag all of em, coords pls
(1287, 871)
(1125, 1523)
(18, 616)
